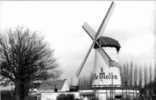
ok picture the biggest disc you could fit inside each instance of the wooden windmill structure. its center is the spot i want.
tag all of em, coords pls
(98, 41)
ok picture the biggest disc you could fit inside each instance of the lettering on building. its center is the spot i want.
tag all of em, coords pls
(103, 75)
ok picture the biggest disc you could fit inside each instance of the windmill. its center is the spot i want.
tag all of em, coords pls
(99, 41)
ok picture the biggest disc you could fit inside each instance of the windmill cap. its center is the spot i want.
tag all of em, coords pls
(107, 42)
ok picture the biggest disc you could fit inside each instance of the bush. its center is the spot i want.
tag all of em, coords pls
(61, 97)
(9, 95)
(65, 97)
(70, 97)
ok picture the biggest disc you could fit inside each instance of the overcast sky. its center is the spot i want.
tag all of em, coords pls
(131, 23)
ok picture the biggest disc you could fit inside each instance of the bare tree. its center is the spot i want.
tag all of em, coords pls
(140, 83)
(125, 74)
(135, 76)
(131, 74)
(25, 58)
(145, 76)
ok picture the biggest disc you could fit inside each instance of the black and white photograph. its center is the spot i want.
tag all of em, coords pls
(77, 50)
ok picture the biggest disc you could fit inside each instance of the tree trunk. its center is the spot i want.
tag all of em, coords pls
(19, 90)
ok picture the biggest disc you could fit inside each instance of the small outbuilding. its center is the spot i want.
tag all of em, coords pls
(54, 86)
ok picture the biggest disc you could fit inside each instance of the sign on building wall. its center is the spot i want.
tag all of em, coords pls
(107, 76)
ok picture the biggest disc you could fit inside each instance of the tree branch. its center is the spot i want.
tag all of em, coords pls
(5, 74)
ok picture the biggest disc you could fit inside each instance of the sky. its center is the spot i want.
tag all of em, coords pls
(60, 23)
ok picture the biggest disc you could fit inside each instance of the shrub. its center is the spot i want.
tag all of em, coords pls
(66, 97)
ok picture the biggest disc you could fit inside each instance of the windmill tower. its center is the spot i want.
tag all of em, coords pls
(102, 73)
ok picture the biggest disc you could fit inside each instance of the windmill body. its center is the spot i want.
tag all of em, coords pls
(104, 74)
(105, 70)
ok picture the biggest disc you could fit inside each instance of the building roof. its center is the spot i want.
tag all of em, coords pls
(52, 84)
(107, 42)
